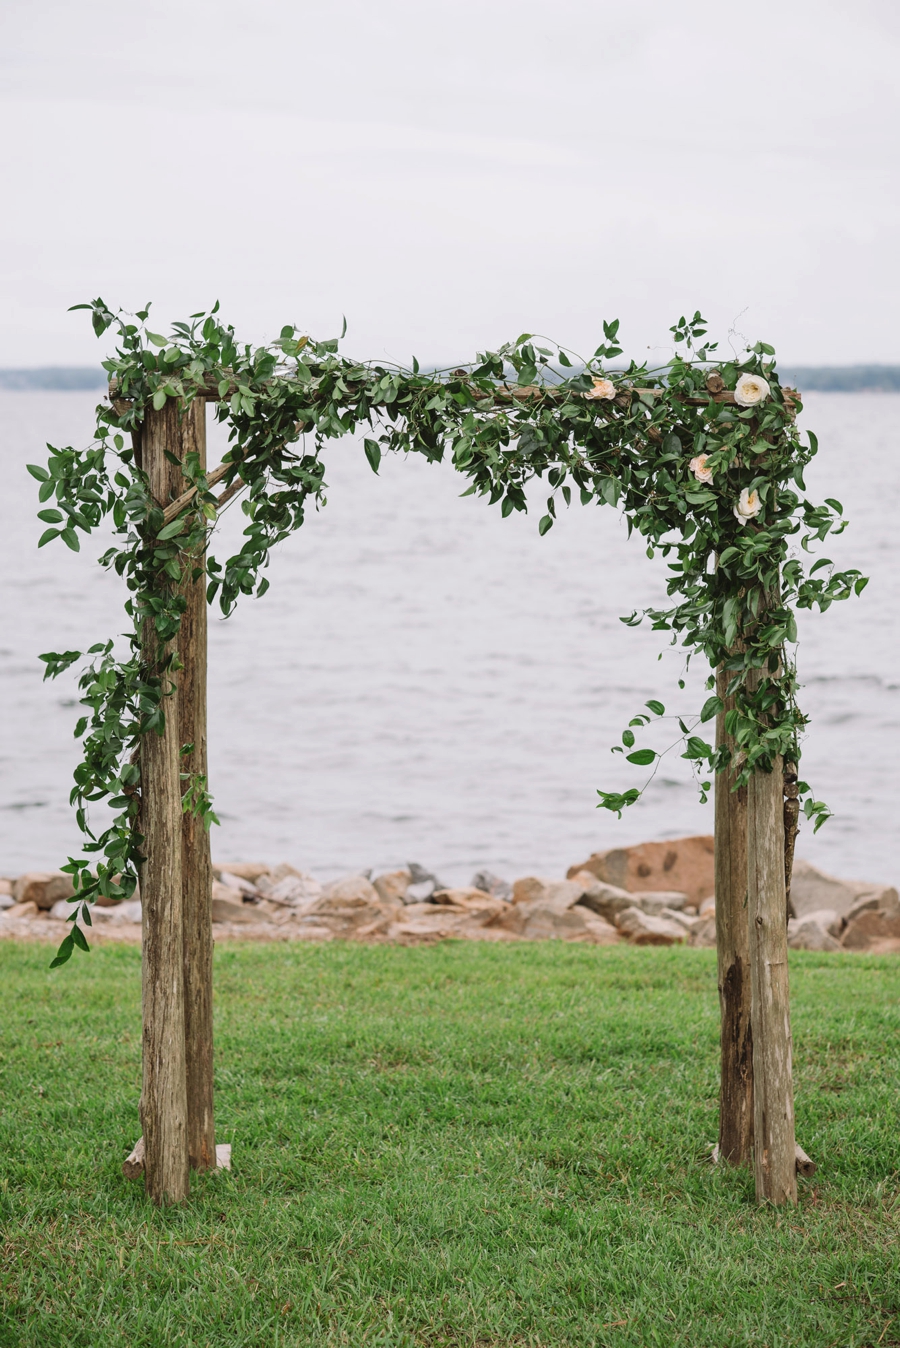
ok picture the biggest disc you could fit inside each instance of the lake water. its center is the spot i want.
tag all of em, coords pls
(426, 681)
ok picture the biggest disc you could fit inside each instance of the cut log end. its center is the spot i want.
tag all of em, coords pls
(133, 1165)
(805, 1165)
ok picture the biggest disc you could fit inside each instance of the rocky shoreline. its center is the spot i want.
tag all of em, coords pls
(649, 894)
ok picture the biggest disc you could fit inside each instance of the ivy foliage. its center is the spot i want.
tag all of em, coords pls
(703, 457)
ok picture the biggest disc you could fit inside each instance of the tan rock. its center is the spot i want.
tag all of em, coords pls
(392, 886)
(655, 900)
(812, 889)
(291, 890)
(43, 888)
(352, 903)
(708, 907)
(868, 929)
(225, 893)
(460, 914)
(684, 864)
(236, 883)
(555, 895)
(647, 929)
(574, 924)
(885, 901)
(6, 886)
(601, 898)
(469, 900)
(247, 870)
(232, 909)
(827, 918)
(809, 933)
(285, 869)
(546, 910)
(703, 935)
(681, 919)
(129, 911)
(27, 909)
(352, 888)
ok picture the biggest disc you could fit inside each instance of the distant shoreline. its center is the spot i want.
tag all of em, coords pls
(806, 378)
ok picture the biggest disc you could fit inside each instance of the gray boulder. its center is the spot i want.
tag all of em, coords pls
(810, 933)
(492, 884)
(423, 883)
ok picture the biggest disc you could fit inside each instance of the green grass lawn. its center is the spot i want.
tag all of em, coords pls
(468, 1144)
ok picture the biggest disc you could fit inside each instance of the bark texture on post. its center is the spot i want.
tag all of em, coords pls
(775, 1163)
(164, 1087)
(196, 864)
(733, 952)
(791, 828)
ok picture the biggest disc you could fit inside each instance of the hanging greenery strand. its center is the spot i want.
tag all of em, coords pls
(703, 457)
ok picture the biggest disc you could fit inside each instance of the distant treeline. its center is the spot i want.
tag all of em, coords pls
(806, 378)
(842, 378)
(55, 377)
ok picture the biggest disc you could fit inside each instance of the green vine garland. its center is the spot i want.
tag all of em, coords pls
(704, 458)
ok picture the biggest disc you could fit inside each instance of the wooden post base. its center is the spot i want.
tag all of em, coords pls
(805, 1165)
(133, 1165)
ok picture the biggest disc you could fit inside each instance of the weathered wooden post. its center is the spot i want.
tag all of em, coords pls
(775, 1147)
(196, 864)
(176, 880)
(733, 952)
(164, 1107)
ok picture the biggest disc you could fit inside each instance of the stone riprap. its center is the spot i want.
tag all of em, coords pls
(650, 894)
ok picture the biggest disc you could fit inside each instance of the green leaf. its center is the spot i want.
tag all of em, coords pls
(617, 800)
(172, 529)
(656, 707)
(64, 952)
(697, 748)
(47, 535)
(70, 538)
(642, 757)
(711, 707)
(155, 338)
(40, 473)
(373, 454)
(835, 505)
(57, 662)
(628, 738)
(545, 524)
(79, 938)
(159, 400)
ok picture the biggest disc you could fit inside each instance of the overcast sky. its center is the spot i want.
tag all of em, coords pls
(447, 175)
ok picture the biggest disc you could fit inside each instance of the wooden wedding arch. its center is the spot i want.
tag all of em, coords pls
(513, 415)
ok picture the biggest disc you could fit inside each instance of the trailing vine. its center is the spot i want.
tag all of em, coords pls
(704, 458)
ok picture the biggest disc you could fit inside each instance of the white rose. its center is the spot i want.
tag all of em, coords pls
(603, 388)
(747, 506)
(750, 390)
(699, 469)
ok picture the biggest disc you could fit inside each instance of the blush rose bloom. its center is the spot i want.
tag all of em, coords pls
(748, 505)
(699, 469)
(603, 388)
(750, 390)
